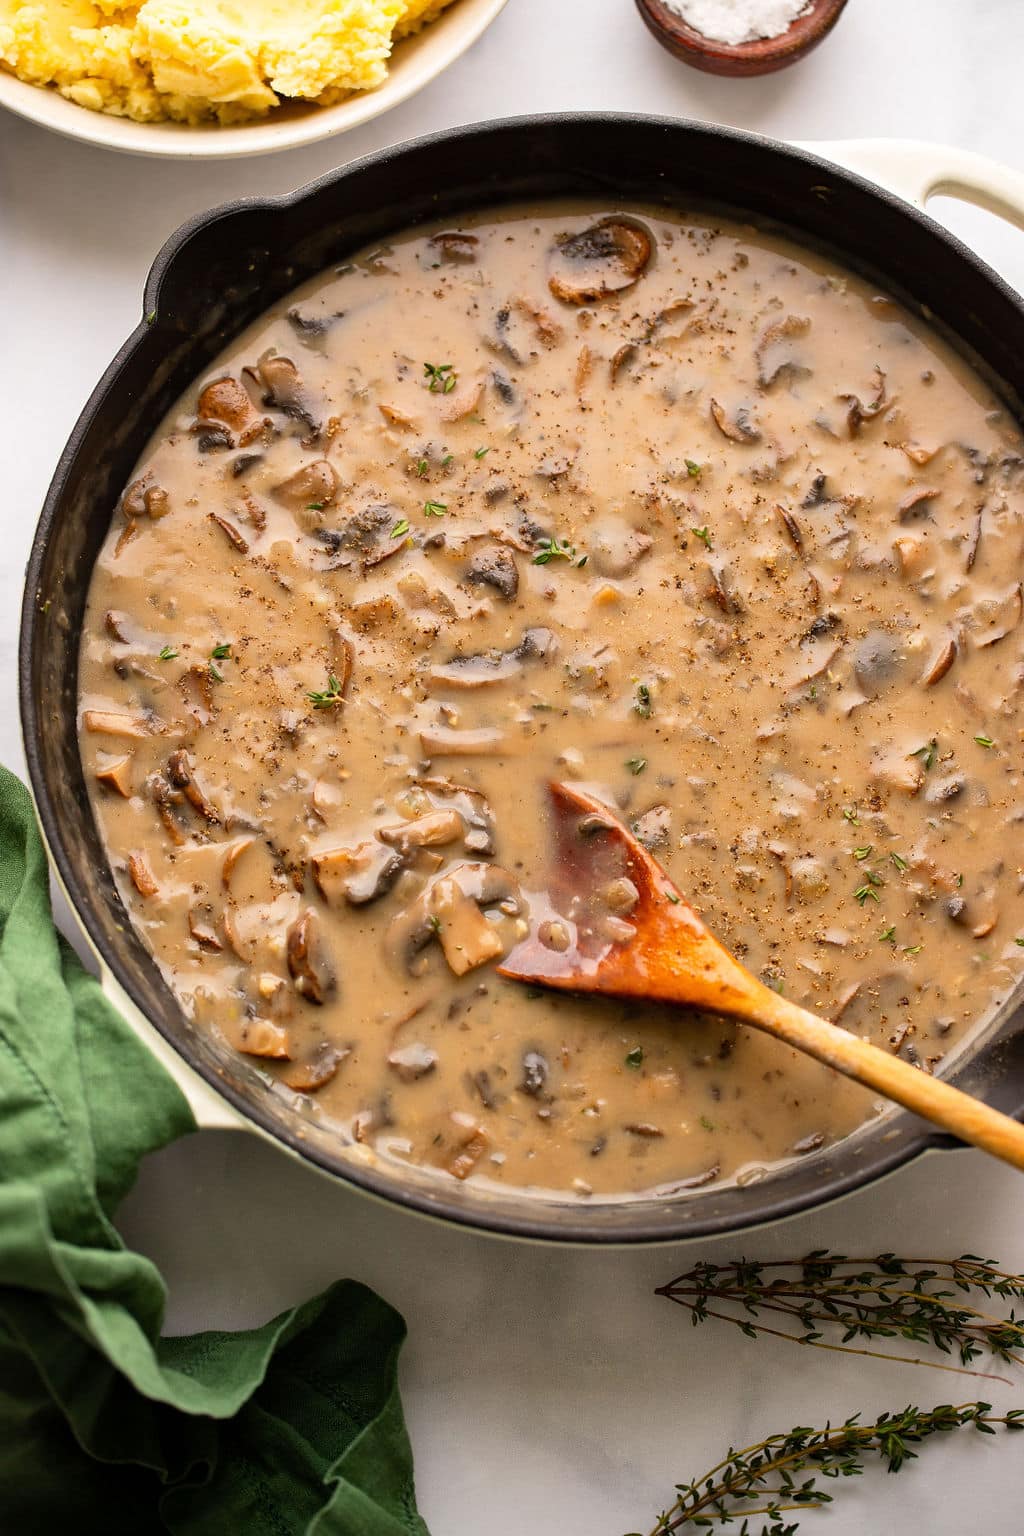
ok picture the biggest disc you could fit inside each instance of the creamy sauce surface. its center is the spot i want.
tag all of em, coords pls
(659, 505)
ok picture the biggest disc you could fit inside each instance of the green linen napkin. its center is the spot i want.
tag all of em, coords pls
(295, 1427)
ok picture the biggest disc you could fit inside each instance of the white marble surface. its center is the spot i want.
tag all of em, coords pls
(546, 1390)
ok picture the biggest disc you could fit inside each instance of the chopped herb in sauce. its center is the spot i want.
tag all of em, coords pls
(400, 529)
(435, 508)
(703, 534)
(421, 468)
(642, 703)
(887, 936)
(330, 696)
(478, 453)
(912, 949)
(166, 653)
(706, 1123)
(899, 861)
(865, 893)
(440, 378)
(850, 815)
(864, 853)
(984, 741)
(221, 651)
(314, 506)
(554, 549)
(634, 1058)
(693, 469)
(928, 754)
(636, 764)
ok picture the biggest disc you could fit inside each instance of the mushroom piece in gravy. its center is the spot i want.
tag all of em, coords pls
(656, 503)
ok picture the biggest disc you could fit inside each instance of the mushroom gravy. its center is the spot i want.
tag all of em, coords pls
(661, 504)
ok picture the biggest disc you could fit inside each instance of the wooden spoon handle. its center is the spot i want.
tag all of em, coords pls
(966, 1117)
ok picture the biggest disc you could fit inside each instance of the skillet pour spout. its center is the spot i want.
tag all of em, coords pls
(212, 280)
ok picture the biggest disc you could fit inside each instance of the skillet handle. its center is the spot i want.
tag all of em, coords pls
(211, 1112)
(917, 171)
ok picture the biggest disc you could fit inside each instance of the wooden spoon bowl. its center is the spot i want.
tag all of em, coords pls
(761, 57)
(665, 954)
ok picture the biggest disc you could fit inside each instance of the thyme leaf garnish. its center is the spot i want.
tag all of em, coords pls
(765, 1479)
(555, 549)
(827, 1300)
(928, 754)
(440, 378)
(329, 696)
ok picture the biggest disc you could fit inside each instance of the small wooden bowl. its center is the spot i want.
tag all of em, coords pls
(758, 58)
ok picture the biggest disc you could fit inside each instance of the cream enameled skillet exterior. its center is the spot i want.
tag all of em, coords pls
(222, 270)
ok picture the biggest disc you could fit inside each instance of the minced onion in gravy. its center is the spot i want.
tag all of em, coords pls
(659, 504)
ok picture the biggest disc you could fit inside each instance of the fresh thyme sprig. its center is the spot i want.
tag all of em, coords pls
(766, 1479)
(920, 1300)
(327, 698)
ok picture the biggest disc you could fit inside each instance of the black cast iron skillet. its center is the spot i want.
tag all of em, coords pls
(219, 273)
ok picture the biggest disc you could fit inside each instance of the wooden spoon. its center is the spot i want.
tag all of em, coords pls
(671, 957)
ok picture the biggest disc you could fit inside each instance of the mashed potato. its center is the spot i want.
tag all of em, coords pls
(228, 60)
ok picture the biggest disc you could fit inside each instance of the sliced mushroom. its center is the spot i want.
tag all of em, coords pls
(535, 1074)
(495, 567)
(144, 499)
(915, 504)
(461, 401)
(356, 875)
(362, 531)
(411, 1062)
(940, 663)
(312, 1074)
(314, 486)
(443, 902)
(202, 930)
(117, 776)
(992, 619)
(774, 354)
(858, 413)
(262, 1037)
(181, 774)
(307, 960)
(617, 550)
(740, 430)
(444, 742)
(653, 828)
(196, 687)
(226, 403)
(432, 830)
(461, 1164)
(232, 855)
(316, 1069)
(455, 246)
(286, 391)
(792, 527)
(600, 261)
(621, 359)
(465, 935)
(142, 876)
(116, 625)
(167, 802)
(108, 722)
(230, 532)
